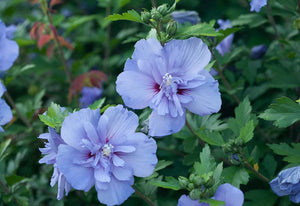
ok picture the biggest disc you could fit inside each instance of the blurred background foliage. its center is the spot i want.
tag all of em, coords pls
(36, 79)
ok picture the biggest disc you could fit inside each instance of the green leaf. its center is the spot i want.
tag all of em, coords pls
(270, 165)
(211, 122)
(207, 162)
(190, 143)
(284, 112)
(292, 153)
(3, 147)
(260, 198)
(252, 20)
(13, 179)
(204, 29)
(236, 176)
(217, 174)
(210, 137)
(242, 116)
(213, 202)
(54, 116)
(97, 104)
(76, 21)
(246, 133)
(227, 32)
(130, 15)
(162, 164)
(171, 183)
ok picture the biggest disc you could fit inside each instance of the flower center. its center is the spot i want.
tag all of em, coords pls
(107, 149)
(167, 79)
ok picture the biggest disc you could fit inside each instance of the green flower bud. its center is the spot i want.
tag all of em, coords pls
(155, 14)
(183, 181)
(171, 28)
(145, 16)
(192, 177)
(163, 9)
(195, 194)
(198, 181)
(190, 186)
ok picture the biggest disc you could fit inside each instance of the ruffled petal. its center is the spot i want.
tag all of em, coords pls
(185, 200)
(101, 175)
(5, 113)
(231, 195)
(115, 193)
(187, 57)
(121, 122)
(206, 98)
(147, 49)
(143, 160)
(122, 173)
(9, 51)
(73, 130)
(163, 125)
(275, 185)
(136, 89)
(80, 177)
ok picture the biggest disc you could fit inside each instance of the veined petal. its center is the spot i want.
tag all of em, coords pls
(185, 200)
(73, 131)
(5, 113)
(231, 195)
(136, 89)
(121, 122)
(188, 56)
(101, 175)
(163, 125)
(143, 160)
(147, 49)
(117, 161)
(206, 98)
(80, 177)
(9, 51)
(115, 193)
(122, 173)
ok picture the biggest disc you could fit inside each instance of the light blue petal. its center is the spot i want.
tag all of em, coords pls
(121, 122)
(147, 49)
(115, 193)
(5, 113)
(122, 173)
(206, 98)
(80, 177)
(136, 89)
(231, 195)
(143, 160)
(9, 51)
(187, 57)
(73, 131)
(185, 200)
(163, 125)
(256, 5)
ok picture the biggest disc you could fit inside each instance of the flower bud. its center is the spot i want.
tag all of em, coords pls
(171, 28)
(145, 16)
(195, 194)
(183, 181)
(163, 9)
(190, 186)
(155, 14)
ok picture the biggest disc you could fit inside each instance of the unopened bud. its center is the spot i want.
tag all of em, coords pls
(171, 28)
(155, 14)
(195, 194)
(145, 16)
(163, 9)
(183, 181)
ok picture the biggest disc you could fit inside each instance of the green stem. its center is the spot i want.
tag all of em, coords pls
(6, 191)
(142, 196)
(107, 43)
(154, 3)
(259, 175)
(272, 21)
(60, 50)
(192, 131)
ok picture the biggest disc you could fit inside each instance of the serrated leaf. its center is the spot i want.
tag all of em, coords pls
(217, 174)
(246, 133)
(212, 138)
(242, 116)
(204, 29)
(13, 179)
(170, 183)
(206, 164)
(3, 147)
(236, 176)
(252, 20)
(284, 112)
(211, 122)
(130, 15)
(292, 153)
(162, 164)
(97, 104)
